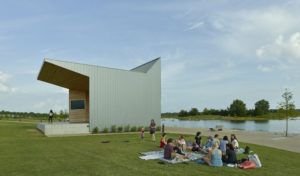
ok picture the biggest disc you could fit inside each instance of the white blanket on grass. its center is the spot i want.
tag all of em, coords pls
(160, 155)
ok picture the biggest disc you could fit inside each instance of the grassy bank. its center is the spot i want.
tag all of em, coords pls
(25, 151)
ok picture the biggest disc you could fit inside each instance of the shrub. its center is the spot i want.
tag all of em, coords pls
(140, 128)
(105, 130)
(158, 128)
(133, 129)
(120, 129)
(113, 128)
(96, 130)
(147, 128)
(127, 128)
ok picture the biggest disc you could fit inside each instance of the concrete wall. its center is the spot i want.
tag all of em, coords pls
(63, 128)
(121, 97)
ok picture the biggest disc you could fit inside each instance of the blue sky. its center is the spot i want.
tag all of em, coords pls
(212, 51)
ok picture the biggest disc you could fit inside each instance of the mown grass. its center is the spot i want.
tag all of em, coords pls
(25, 151)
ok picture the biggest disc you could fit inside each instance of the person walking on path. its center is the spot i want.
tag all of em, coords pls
(50, 116)
(152, 130)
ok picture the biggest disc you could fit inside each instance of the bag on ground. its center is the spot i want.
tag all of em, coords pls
(246, 165)
(254, 158)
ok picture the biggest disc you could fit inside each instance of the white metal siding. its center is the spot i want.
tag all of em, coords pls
(121, 97)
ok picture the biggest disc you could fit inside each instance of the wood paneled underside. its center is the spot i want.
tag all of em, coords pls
(57, 75)
(79, 115)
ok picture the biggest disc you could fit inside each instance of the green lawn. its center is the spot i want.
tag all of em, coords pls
(25, 151)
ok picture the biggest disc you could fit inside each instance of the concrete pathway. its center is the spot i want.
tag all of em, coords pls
(291, 143)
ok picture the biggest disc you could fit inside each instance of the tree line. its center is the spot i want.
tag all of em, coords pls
(237, 108)
(61, 115)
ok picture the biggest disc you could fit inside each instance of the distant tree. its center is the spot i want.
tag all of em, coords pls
(194, 112)
(261, 107)
(205, 111)
(237, 108)
(250, 112)
(183, 113)
(287, 107)
(224, 112)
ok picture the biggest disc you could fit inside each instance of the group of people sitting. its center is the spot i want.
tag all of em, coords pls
(218, 152)
(172, 150)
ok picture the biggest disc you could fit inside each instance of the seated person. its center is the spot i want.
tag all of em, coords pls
(169, 152)
(209, 142)
(178, 148)
(234, 142)
(216, 139)
(230, 156)
(223, 144)
(214, 156)
(198, 139)
(195, 147)
(163, 141)
(207, 145)
(182, 142)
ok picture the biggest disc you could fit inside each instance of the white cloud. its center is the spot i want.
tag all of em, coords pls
(14, 89)
(3, 88)
(4, 77)
(40, 105)
(171, 71)
(63, 90)
(264, 68)
(194, 26)
(281, 49)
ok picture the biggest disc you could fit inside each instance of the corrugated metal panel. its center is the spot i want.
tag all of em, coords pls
(120, 97)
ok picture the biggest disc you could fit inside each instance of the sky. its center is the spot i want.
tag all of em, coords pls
(212, 51)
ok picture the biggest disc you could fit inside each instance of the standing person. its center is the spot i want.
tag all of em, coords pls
(223, 144)
(152, 129)
(142, 135)
(234, 141)
(198, 139)
(214, 156)
(50, 116)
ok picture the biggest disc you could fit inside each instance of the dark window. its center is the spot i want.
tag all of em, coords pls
(77, 104)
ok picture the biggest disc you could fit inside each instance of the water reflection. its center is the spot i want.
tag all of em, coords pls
(274, 126)
(238, 121)
(261, 121)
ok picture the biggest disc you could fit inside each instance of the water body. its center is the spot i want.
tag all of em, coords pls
(272, 126)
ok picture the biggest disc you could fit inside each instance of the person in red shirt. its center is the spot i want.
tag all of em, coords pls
(143, 134)
(163, 141)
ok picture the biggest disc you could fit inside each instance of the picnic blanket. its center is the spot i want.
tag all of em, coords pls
(160, 155)
(242, 150)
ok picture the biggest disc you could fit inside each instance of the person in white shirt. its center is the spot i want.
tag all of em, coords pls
(234, 141)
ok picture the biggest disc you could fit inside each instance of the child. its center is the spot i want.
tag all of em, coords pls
(198, 139)
(182, 142)
(142, 135)
(163, 141)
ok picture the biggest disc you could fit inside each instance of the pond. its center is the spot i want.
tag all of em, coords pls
(272, 126)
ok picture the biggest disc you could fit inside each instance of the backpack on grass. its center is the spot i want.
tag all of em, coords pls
(254, 158)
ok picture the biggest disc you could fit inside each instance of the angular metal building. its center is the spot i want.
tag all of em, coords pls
(104, 96)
